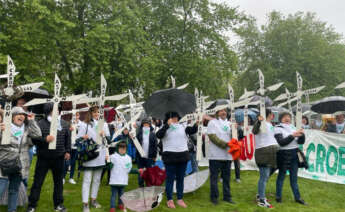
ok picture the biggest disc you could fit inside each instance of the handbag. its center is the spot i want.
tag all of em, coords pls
(87, 149)
(12, 165)
(302, 161)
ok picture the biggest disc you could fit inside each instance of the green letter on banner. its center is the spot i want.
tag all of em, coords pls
(320, 157)
(341, 171)
(311, 148)
(332, 170)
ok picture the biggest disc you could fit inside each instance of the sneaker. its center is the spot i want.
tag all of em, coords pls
(229, 201)
(301, 201)
(71, 181)
(95, 204)
(238, 180)
(63, 181)
(86, 208)
(122, 207)
(60, 208)
(171, 204)
(279, 200)
(181, 203)
(257, 197)
(112, 210)
(214, 201)
(263, 203)
(30, 209)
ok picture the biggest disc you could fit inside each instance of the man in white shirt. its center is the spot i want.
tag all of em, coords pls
(219, 133)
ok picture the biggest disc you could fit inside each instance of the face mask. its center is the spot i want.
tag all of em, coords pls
(174, 126)
(146, 130)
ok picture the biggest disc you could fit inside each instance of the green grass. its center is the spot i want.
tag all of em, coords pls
(320, 196)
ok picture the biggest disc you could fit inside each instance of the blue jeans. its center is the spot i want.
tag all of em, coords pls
(175, 171)
(144, 163)
(71, 162)
(116, 191)
(293, 169)
(193, 162)
(13, 188)
(264, 175)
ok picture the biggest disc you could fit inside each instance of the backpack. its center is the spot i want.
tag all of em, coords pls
(87, 149)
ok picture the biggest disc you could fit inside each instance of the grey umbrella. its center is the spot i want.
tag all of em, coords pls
(268, 100)
(329, 105)
(163, 101)
(305, 107)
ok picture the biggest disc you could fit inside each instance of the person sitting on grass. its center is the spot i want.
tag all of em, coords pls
(121, 166)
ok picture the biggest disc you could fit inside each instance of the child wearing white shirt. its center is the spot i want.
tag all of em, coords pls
(121, 166)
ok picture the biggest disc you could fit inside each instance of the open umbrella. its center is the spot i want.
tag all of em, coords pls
(239, 115)
(194, 181)
(163, 101)
(305, 107)
(30, 95)
(143, 199)
(217, 103)
(329, 105)
(268, 101)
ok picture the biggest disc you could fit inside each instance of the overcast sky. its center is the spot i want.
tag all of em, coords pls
(330, 11)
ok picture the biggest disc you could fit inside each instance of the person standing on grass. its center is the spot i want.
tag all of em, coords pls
(289, 138)
(174, 138)
(50, 159)
(93, 168)
(121, 166)
(266, 148)
(23, 127)
(70, 164)
(219, 133)
(148, 140)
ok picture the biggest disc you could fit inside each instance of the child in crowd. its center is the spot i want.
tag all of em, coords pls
(121, 166)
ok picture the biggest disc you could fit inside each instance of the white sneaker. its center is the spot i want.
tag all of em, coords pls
(71, 181)
(63, 181)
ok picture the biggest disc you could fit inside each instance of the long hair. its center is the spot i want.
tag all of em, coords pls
(88, 117)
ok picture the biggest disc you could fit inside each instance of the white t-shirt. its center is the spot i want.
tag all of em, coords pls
(146, 140)
(92, 133)
(221, 128)
(267, 138)
(122, 165)
(286, 130)
(175, 139)
(340, 127)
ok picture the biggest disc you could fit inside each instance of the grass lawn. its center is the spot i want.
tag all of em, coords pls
(323, 197)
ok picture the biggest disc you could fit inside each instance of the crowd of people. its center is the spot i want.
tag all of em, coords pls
(277, 148)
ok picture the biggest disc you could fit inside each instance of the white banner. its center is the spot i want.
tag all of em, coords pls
(325, 153)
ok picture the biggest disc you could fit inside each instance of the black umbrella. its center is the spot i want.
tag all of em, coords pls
(217, 103)
(329, 105)
(163, 101)
(305, 107)
(38, 93)
(268, 100)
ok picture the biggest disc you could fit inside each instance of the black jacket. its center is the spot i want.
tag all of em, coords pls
(153, 143)
(63, 141)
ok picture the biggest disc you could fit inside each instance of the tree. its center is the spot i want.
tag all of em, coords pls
(298, 42)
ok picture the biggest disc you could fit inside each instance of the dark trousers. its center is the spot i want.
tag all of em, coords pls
(224, 167)
(56, 165)
(116, 191)
(175, 171)
(143, 163)
(71, 163)
(293, 170)
(237, 169)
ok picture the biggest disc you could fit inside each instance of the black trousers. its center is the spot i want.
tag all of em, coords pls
(56, 165)
(223, 166)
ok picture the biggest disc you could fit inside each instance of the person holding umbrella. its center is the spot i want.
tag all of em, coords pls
(174, 138)
(289, 138)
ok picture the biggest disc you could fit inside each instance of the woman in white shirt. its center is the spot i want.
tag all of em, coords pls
(93, 168)
(289, 138)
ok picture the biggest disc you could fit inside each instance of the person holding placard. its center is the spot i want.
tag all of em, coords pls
(50, 159)
(92, 168)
